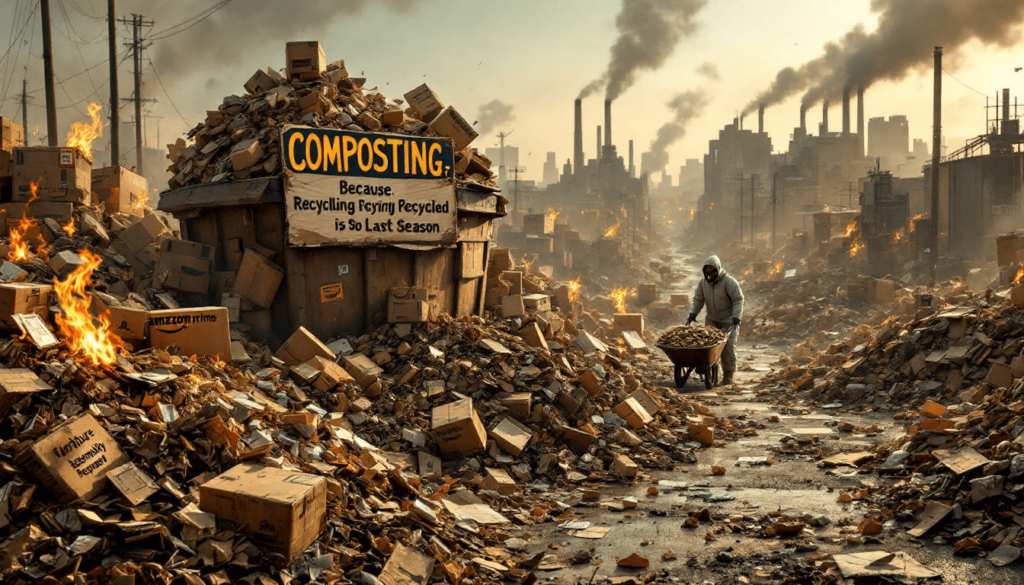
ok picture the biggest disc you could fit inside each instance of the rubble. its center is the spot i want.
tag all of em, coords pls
(692, 337)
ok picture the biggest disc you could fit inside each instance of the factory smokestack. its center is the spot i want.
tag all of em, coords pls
(860, 122)
(846, 110)
(608, 124)
(803, 118)
(760, 119)
(824, 118)
(1006, 104)
(631, 168)
(598, 157)
(578, 139)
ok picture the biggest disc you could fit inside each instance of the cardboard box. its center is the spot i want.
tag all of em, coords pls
(647, 293)
(246, 153)
(623, 466)
(143, 233)
(457, 428)
(64, 263)
(424, 103)
(23, 297)
(280, 509)
(15, 384)
(263, 80)
(408, 305)
(305, 60)
(258, 279)
(185, 266)
(301, 347)
(61, 174)
(362, 369)
(533, 336)
(538, 224)
(537, 303)
(512, 306)
(498, 480)
(73, 459)
(127, 322)
(519, 405)
(119, 190)
(628, 322)
(200, 331)
(331, 374)
(679, 300)
(11, 136)
(407, 566)
(633, 413)
(451, 124)
(511, 436)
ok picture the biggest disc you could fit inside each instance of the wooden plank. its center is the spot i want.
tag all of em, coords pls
(482, 292)
(475, 228)
(384, 268)
(434, 270)
(471, 258)
(467, 295)
(334, 291)
(294, 300)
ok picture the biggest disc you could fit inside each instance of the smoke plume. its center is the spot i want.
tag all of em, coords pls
(649, 31)
(493, 114)
(685, 107)
(709, 70)
(902, 44)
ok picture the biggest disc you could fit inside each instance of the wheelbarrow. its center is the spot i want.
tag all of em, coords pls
(703, 360)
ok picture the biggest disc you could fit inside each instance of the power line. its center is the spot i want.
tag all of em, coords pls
(961, 83)
(171, 101)
(70, 27)
(189, 22)
(20, 35)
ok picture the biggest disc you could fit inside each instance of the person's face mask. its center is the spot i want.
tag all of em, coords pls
(710, 274)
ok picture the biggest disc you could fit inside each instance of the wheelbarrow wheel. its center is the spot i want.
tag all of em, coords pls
(711, 379)
(682, 375)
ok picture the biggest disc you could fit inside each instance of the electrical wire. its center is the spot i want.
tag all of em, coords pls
(69, 26)
(189, 22)
(99, 17)
(961, 83)
(166, 93)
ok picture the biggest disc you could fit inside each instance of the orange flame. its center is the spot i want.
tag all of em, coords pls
(82, 134)
(1020, 275)
(913, 220)
(574, 290)
(624, 212)
(19, 235)
(553, 213)
(89, 338)
(69, 228)
(898, 236)
(693, 212)
(775, 269)
(852, 227)
(619, 296)
(610, 231)
(856, 247)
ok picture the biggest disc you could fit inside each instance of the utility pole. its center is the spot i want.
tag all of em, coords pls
(51, 99)
(137, 23)
(515, 201)
(752, 242)
(936, 145)
(501, 157)
(115, 114)
(775, 179)
(24, 107)
(741, 209)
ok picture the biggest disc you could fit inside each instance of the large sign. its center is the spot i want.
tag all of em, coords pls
(361, 188)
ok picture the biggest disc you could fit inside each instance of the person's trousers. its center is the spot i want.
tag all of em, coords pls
(729, 354)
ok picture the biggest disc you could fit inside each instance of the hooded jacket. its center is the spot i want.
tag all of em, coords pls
(723, 297)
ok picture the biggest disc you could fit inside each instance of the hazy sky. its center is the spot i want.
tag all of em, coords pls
(535, 55)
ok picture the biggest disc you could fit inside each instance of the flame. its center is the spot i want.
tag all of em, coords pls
(574, 289)
(1020, 275)
(856, 247)
(89, 338)
(141, 201)
(43, 250)
(610, 231)
(526, 265)
(82, 134)
(19, 235)
(913, 220)
(553, 213)
(898, 236)
(850, 229)
(776, 269)
(69, 227)
(625, 213)
(693, 212)
(619, 296)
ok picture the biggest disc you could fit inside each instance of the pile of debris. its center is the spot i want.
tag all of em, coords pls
(695, 336)
(148, 468)
(241, 139)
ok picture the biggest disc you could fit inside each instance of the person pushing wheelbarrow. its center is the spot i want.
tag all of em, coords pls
(721, 295)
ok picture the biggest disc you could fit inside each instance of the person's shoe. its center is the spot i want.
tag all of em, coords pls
(727, 379)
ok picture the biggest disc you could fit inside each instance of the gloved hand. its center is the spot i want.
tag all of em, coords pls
(735, 320)
(693, 317)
